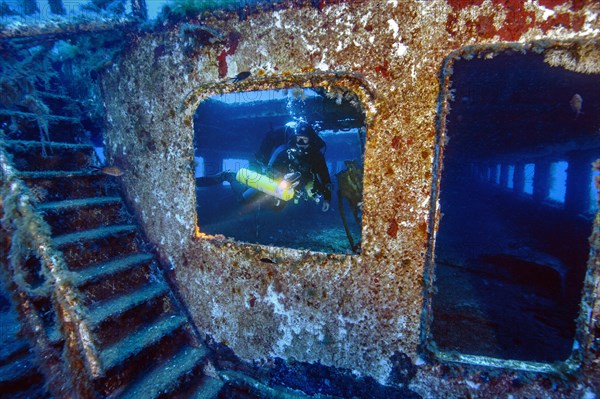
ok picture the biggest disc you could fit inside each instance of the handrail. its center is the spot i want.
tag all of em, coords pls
(32, 232)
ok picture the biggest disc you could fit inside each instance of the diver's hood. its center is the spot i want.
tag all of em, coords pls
(294, 129)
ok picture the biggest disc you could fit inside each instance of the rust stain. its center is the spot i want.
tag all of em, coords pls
(222, 60)
(398, 158)
(485, 26)
(383, 69)
(392, 230)
(575, 5)
(517, 22)
(565, 20)
(460, 4)
(233, 41)
(396, 142)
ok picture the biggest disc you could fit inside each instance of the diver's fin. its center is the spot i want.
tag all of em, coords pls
(213, 180)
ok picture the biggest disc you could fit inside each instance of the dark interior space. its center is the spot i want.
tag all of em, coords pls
(517, 199)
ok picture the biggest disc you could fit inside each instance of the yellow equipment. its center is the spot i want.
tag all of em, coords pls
(262, 183)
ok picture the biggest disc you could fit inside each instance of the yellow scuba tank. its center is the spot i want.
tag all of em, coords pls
(262, 183)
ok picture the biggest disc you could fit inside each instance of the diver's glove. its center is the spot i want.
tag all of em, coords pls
(292, 178)
(325, 206)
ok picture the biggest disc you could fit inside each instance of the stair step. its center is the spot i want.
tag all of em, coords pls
(28, 144)
(237, 382)
(24, 126)
(60, 104)
(114, 278)
(19, 374)
(199, 387)
(55, 174)
(17, 368)
(34, 156)
(81, 214)
(33, 116)
(166, 377)
(117, 326)
(58, 206)
(91, 247)
(12, 349)
(12, 346)
(155, 352)
(93, 234)
(20, 377)
(35, 391)
(139, 340)
(208, 389)
(106, 269)
(114, 307)
(57, 186)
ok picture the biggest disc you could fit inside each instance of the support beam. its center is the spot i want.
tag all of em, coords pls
(541, 180)
(579, 175)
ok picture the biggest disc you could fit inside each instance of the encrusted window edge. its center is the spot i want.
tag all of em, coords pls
(574, 55)
(354, 82)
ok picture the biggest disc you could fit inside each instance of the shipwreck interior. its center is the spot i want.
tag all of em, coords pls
(518, 198)
(231, 130)
(457, 257)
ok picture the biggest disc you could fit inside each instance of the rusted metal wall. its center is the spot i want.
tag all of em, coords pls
(350, 312)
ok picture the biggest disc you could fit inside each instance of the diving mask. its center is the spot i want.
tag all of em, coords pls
(302, 142)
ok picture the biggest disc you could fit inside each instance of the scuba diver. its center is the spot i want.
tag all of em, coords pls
(290, 164)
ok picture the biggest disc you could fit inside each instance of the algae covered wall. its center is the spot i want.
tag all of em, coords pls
(352, 312)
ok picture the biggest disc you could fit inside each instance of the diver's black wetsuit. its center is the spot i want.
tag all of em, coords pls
(279, 156)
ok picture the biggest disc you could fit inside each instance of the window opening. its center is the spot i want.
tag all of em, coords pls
(497, 174)
(529, 174)
(291, 164)
(233, 165)
(558, 181)
(510, 181)
(198, 166)
(509, 270)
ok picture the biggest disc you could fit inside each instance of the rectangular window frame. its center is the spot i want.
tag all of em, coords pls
(584, 327)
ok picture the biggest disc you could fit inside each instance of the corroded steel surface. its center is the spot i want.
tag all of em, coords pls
(350, 312)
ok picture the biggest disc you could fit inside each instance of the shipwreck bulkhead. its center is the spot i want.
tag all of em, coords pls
(115, 280)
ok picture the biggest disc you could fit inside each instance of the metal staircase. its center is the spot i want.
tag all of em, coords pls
(104, 321)
(20, 377)
(100, 317)
(96, 315)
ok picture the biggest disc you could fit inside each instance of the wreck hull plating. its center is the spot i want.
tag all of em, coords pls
(349, 312)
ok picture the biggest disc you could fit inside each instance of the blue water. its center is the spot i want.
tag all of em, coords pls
(518, 196)
(558, 181)
(230, 131)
